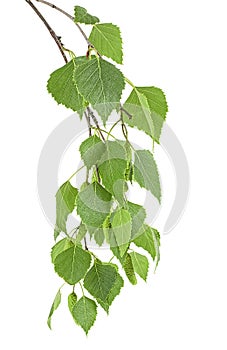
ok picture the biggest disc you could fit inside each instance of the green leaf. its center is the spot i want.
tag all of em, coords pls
(63, 89)
(112, 167)
(129, 269)
(122, 226)
(146, 172)
(140, 264)
(158, 107)
(99, 236)
(82, 16)
(119, 189)
(115, 291)
(60, 247)
(138, 215)
(149, 239)
(101, 83)
(72, 264)
(91, 151)
(106, 38)
(72, 300)
(84, 313)
(93, 205)
(100, 279)
(148, 108)
(56, 303)
(65, 204)
(81, 233)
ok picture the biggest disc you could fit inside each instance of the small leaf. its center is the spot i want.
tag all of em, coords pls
(149, 239)
(101, 84)
(72, 264)
(99, 236)
(119, 189)
(81, 233)
(148, 108)
(72, 300)
(93, 205)
(91, 151)
(60, 247)
(138, 215)
(122, 226)
(140, 264)
(82, 16)
(146, 172)
(112, 167)
(129, 269)
(100, 280)
(106, 38)
(63, 89)
(84, 313)
(115, 291)
(65, 204)
(56, 303)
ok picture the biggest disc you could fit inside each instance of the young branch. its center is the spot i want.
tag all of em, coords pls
(90, 113)
(67, 15)
(56, 38)
(88, 122)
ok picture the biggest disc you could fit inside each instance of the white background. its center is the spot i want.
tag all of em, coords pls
(179, 46)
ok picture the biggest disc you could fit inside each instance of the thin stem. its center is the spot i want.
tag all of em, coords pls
(69, 16)
(87, 116)
(106, 132)
(130, 83)
(111, 259)
(56, 38)
(76, 172)
(91, 113)
(111, 129)
(81, 288)
(85, 244)
(126, 112)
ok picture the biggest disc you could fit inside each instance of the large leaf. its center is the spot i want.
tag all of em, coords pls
(101, 83)
(63, 89)
(146, 172)
(82, 16)
(91, 150)
(106, 38)
(65, 204)
(84, 313)
(149, 239)
(60, 247)
(56, 303)
(100, 280)
(148, 108)
(122, 226)
(138, 215)
(93, 205)
(115, 291)
(72, 264)
(140, 264)
(112, 167)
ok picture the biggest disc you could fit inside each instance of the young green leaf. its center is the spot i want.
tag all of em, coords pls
(65, 204)
(129, 269)
(138, 215)
(82, 16)
(115, 291)
(63, 89)
(112, 167)
(56, 303)
(119, 189)
(84, 313)
(140, 264)
(81, 233)
(122, 226)
(60, 247)
(148, 108)
(91, 151)
(72, 264)
(101, 84)
(100, 279)
(149, 239)
(106, 38)
(93, 205)
(72, 300)
(99, 236)
(146, 172)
